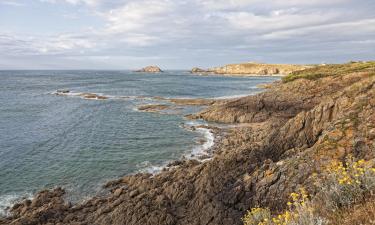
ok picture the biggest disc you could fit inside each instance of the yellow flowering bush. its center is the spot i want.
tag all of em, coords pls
(300, 213)
(342, 185)
(258, 216)
(346, 183)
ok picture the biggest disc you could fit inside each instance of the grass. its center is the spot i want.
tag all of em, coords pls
(331, 70)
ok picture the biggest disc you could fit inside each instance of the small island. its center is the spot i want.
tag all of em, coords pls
(150, 69)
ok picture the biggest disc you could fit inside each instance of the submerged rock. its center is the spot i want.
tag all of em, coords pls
(153, 108)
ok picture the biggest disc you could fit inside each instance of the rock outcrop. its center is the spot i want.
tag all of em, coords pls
(289, 132)
(150, 69)
(252, 68)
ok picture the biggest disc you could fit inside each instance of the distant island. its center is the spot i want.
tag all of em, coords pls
(150, 69)
(251, 68)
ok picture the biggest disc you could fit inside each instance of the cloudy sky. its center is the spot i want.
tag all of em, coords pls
(180, 34)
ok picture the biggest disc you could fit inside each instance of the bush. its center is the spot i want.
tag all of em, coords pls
(346, 184)
(343, 187)
(301, 212)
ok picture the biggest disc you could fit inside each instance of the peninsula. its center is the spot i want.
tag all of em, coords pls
(251, 69)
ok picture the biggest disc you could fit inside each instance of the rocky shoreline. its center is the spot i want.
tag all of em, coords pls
(277, 141)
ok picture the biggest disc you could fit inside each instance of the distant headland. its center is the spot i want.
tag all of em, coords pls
(251, 69)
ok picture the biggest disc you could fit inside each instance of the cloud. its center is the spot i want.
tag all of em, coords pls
(138, 16)
(52, 45)
(75, 2)
(12, 3)
(210, 31)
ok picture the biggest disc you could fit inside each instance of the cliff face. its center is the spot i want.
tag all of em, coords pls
(292, 130)
(256, 69)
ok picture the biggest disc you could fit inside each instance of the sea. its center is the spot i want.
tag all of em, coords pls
(49, 140)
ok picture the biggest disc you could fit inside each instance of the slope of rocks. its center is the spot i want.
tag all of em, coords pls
(294, 130)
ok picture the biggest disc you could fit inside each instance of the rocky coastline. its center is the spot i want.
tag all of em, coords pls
(274, 144)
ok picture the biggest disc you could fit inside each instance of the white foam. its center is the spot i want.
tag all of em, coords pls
(195, 153)
(209, 142)
(8, 200)
(147, 167)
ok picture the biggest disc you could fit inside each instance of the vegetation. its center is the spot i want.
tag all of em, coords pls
(331, 70)
(345, 188)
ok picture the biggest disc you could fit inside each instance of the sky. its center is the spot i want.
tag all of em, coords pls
(181, 34)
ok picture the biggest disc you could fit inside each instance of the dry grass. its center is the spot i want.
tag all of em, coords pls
(360, 214)
(331, 70)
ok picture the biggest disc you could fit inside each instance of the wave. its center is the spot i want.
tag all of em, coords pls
(206, 133)
(147, 167)
(8, 200)
(200, 152)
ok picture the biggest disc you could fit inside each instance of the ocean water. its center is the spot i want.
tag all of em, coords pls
(48, 140)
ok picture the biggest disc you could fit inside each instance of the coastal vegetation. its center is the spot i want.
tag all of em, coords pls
(343, 188)
(317, 72)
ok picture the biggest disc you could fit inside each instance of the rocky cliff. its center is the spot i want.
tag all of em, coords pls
(284, 136)
(252, 69)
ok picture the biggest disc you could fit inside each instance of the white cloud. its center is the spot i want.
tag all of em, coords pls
(140, 15)
(11, 3)
(75, 2)
(276, 20)
(236, 4)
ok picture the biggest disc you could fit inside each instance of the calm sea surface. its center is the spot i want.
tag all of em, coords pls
(79, 144)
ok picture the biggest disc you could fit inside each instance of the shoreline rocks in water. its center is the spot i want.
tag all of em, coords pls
(90, 96)
(153, 107)
(150, 69)
(295, 130)
(251, 69)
